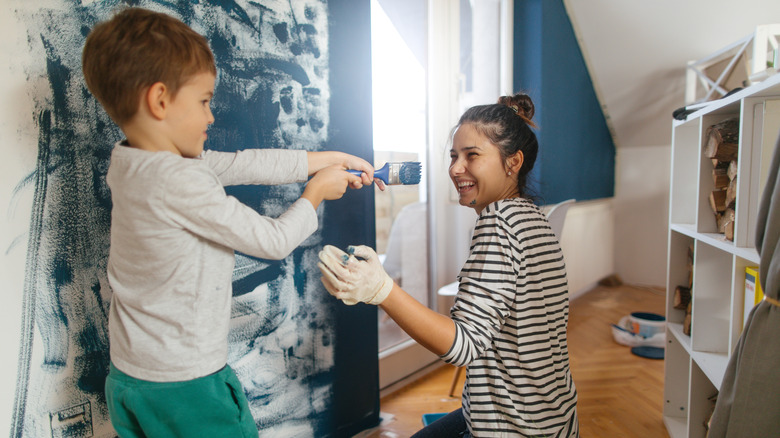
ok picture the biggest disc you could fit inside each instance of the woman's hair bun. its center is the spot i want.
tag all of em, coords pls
(522, 105)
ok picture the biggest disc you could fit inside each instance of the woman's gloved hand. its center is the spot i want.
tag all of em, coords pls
(354, 277)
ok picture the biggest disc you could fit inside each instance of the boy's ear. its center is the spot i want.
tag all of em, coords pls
(156, 100)
(515, 162)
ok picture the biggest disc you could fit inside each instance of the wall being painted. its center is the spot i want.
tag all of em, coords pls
(275, 89)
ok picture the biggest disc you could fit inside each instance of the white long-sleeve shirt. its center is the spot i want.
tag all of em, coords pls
(511, 313)
(173, 235)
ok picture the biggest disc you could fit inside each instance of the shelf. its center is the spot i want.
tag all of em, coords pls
(713, 365)
(687, 229)
(717, 240)
(701, 258)
(682, 338)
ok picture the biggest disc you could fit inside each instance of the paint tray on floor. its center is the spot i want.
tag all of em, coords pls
(624, 335)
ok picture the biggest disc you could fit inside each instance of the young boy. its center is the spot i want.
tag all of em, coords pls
(174, 230)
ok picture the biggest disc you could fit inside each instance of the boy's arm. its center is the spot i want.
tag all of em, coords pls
(280, 166)
(196, 202)
(258, 166)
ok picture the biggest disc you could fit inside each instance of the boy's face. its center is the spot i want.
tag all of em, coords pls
(190, 115)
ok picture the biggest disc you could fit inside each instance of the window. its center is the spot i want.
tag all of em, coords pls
(430, 60)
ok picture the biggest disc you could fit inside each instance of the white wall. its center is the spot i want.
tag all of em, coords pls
(588, 244)
(641, 206)
(626, 234)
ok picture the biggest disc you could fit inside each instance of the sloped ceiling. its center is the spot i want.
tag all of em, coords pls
(636, 52)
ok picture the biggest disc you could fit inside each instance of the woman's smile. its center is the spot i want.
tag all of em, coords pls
(478, 170)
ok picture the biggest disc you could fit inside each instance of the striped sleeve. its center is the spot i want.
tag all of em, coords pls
(486, 291)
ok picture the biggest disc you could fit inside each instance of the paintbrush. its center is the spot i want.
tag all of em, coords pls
(405, 172)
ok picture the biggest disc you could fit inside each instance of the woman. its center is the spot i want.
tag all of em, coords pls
(508, 323)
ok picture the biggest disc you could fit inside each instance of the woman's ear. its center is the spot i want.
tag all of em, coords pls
(515, 162)
(156, 100)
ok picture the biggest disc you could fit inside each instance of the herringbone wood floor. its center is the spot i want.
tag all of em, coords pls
(620, 394)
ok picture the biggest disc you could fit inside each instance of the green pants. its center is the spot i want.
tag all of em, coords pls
(210, 406)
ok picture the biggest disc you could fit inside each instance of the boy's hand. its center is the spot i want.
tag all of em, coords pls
(355, 163)
(330, 183)
(322, 159)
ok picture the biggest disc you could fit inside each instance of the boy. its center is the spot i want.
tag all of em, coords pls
(174, 230)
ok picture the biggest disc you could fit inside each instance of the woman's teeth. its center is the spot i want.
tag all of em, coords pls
(465, 185)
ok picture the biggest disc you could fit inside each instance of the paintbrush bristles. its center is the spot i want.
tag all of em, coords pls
(407, 172)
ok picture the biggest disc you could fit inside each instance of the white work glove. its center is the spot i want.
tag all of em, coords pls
(354, 277)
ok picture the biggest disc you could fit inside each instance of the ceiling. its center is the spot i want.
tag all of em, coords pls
(636, 52)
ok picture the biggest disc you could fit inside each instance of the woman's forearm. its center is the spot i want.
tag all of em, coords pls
(431, 329)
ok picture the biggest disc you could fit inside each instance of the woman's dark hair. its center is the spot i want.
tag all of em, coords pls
(507, 124)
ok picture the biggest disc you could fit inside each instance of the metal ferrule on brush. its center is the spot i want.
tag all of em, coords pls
(394, 173)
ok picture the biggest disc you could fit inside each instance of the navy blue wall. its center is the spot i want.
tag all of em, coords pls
(576, 151)
(307, 362)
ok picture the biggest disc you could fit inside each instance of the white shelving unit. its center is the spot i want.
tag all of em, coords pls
(694, 365)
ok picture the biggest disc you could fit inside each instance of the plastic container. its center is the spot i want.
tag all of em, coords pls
(623, 335)
(646, 324)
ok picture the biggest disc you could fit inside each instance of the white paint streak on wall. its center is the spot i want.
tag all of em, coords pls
(19, 148)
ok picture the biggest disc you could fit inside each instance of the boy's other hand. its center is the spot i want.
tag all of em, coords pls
(330, 183)
(318, 160)
(366, 178)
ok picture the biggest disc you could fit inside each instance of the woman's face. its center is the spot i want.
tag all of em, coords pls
(478, 171)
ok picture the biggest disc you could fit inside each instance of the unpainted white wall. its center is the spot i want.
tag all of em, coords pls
(588, 244)
(641, 207)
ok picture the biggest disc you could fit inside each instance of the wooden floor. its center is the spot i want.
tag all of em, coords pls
(620, 394)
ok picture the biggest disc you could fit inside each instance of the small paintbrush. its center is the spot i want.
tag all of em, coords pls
(405, 172)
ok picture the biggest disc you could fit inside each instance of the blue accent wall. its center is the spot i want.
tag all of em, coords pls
(576, 151)
(291, 75)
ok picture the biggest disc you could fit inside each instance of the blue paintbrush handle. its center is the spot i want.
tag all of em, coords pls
(407, 172)
(382, 173)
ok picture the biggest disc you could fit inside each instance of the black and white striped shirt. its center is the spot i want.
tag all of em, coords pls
(510, 314)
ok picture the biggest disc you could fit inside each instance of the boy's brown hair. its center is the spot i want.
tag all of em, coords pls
(135, 49)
